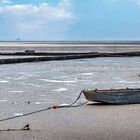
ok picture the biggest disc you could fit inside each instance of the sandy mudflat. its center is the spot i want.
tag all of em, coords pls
(90, 122)
(61, 81)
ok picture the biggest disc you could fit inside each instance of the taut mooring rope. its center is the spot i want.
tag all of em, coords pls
(48, 108)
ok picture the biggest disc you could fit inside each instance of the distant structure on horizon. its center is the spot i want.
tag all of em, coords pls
(18, 39)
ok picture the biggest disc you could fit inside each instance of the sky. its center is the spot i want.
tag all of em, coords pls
(70, 19)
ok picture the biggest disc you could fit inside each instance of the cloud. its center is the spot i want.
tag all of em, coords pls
(42, 10)
(42, 19)
(5, 1)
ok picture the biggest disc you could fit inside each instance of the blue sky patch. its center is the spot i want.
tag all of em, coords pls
(70, 19)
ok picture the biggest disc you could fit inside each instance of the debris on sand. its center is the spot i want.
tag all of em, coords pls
(25, 128)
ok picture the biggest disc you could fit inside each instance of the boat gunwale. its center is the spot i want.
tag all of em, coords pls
(111, 92)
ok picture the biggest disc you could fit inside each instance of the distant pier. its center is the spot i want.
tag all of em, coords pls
(23, 57)
(36, 51)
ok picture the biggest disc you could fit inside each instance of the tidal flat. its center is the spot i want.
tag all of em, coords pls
(61, 81)
(31, 86)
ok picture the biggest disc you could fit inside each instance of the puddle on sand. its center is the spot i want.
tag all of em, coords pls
(38, 103)
(87, 74)
(58, 81)
(127, 82)
(4, 81)
(17, 114)
(61, 89)
(17, 91)
(4, 100)
(43, 95)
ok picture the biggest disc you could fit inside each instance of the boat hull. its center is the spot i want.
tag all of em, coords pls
(120, 96)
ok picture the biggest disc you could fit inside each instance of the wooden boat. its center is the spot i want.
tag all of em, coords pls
(113, 96)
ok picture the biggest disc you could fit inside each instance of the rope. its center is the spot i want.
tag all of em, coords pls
(27, 114)
(45, 109)
(71, 105)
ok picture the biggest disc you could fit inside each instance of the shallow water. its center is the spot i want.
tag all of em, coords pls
(46, 83)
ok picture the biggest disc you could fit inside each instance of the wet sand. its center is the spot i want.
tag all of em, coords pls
(44, 84)
(98, 122)
(55, 82)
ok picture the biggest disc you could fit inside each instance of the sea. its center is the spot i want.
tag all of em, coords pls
(70, 46)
